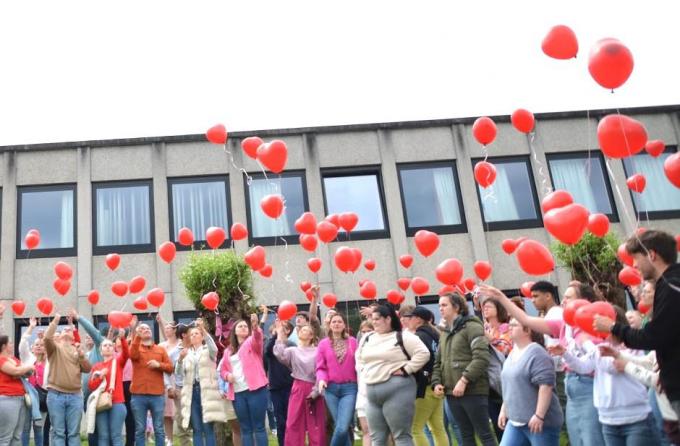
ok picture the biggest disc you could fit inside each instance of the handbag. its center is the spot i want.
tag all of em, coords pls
(105, 400)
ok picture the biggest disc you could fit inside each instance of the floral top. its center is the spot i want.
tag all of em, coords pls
(499, 337)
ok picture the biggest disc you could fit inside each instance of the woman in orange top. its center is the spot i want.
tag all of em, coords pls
(110, 422)
(12, 403)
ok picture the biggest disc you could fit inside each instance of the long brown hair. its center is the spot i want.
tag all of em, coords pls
(233, 340)
(345, 332)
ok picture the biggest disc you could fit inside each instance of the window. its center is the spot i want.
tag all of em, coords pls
(102, 323)
(510, 202)
(198, 203)
(358, 191)
(52, 211)
(583, 176)
(123, 217)
(185, 317)
(268, 231)
(660, 199)
(430, 196)
(21, 325)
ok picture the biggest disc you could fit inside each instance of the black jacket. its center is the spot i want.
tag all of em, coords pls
(430, 337)
(278, 374)
(662, 333)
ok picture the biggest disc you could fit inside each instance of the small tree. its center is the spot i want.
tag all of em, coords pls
(593, 261)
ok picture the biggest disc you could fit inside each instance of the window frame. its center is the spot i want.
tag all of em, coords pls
(652, 215)
(614, 216)
(123, 249)
(441, 229)
(20, 322)
(141, 317)
(198, 243)
(337, 172)
(536, 222)
(50, 252)
(293, 239)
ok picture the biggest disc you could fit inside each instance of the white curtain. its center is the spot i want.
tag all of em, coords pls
(447, 200)
(572, 175)
(199, 206)
(498, 201)
(66, 220)
(262, 225)
(123, 216)
(659, 194)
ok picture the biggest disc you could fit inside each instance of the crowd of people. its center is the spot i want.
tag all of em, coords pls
(487, 373)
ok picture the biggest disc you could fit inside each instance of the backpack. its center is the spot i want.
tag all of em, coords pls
(496, 360)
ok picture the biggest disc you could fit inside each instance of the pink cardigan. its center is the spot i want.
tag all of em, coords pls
(250, 354)
(328, 368)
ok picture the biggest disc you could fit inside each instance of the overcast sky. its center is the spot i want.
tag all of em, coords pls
(79, 70)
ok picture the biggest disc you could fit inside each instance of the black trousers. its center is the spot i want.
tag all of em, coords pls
(280, 399)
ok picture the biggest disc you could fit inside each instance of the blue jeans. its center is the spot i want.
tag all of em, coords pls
(37, 427)
(583, 424)
(633, 434)
(203, 432)
(658, 420)
(341, 399)
(110, 425)
(251, 409)
(280, 399)
(141, 404)
(66, 411)
(521, 436)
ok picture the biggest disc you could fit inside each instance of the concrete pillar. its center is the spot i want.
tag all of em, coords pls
(8, 237)
(162, 225)
(85, 231)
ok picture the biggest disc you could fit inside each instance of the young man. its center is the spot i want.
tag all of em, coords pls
(655, 256)
(149, 362)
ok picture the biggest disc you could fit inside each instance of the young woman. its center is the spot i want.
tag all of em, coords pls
(110, 422)
(337, 376)
(531, 413)
(171, 345)
(243, 369)
(35, 355)
(12, 403)
(280, 382)
(365, 329)
(388, 358)
(202, 404)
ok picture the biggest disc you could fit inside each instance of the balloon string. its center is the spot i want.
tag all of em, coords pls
(545, 185)
(233, 164)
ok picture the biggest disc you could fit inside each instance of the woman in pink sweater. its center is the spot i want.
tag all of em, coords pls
(337, 376)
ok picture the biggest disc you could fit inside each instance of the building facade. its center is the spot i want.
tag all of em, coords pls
(92, 198)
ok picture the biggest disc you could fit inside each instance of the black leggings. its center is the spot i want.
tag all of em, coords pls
(129, 418)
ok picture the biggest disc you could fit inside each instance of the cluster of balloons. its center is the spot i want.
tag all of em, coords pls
(581, 313)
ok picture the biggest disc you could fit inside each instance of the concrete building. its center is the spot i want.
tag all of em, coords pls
(130, 195)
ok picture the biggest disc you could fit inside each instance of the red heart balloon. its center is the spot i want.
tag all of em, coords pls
(93, 297)
(215, 236)
(567, 224)
(449, 272)
(482, 269)
(326, 231)
(314, 264)
(509, 246)
(345, 259)
(636, 183)
(369, 265)
(404, 283)
(266, 271)
(585, 316)
(427, 242)
(525, 289)
(155, 297)
(555, 200)
(560, 43)
(534, 258)
(623, 255)
(610, 63)
(357, 259)
(420, 286)
(140, 303)
(61, 286)
(137, 284)
(308, 242)
(620, 136)
(185, 237)
(368, 290)
(120, 319)
(329, 300)
(287, 310)
(112, 261)
(306, 224)
(570, 309)
(305, 286)
(395, 297)
(333, 218)
(210, 300)
(63, 270)
(598, 224)
(217, 134)
(273, 156)
(522, 120)
(255, 257)
(655, 147)
(406, 260)
(45, 305)
(167, 251)
(119, 288)
(643, 307)
(446, 289)
(272, 205)
(309, 295)
(250, 146)
(32, 239)
(484, 130)
(630, 276)
(238, 231)
(18, 306)
(485, 173)
(671, 168)
(348, 221)
(469, 284)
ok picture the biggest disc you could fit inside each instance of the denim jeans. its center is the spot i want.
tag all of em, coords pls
(280, 399)
(521, 436)
(472, 415)
(658, 420)
(633, 434)
(582, 419)
(251, 409)
(66, 411)
(130, 417)
(37, 427)
(204, 435)
(341, 399)
(12, 413)
(449, 420)
(141, 404)
(110, 425)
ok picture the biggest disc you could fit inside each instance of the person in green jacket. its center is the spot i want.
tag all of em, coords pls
(461, 369)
